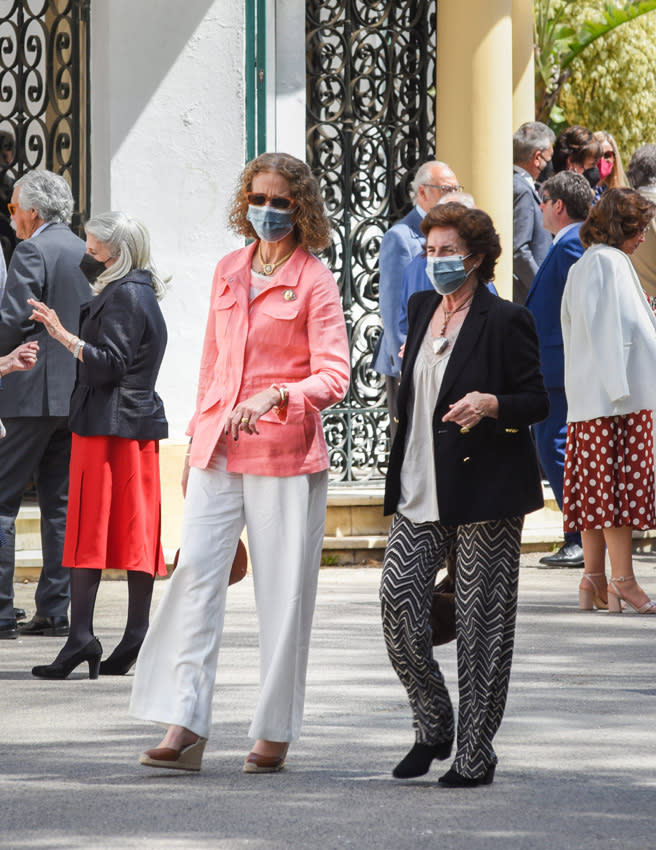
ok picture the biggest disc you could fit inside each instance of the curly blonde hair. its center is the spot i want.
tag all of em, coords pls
(312, 227)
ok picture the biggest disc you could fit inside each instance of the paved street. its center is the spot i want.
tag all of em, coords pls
(577, 749)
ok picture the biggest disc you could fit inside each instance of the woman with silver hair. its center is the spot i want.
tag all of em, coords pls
(117, 419)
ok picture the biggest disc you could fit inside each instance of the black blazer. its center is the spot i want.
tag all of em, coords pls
(492, 471)
(125, 337)
(46, 267)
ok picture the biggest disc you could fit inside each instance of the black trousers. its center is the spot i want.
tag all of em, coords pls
(39, 449)
(487, 573)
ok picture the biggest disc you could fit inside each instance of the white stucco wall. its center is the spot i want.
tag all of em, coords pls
(286, 66)
(167, 144)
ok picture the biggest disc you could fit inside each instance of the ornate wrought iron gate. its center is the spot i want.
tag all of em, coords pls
(44, 72)
(370, 124)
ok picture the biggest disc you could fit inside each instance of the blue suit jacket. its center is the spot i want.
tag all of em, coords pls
(544, 299)
(402, 242)
(415, 279)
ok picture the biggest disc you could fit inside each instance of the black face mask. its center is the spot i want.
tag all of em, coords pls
(592, 175)
(545, 174)
(91, 268)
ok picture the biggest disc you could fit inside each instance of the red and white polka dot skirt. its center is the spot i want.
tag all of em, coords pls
(609, 473)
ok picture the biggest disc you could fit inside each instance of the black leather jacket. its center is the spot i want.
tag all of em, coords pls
(125, 337)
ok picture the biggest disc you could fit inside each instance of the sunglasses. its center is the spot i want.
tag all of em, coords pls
(609, 155)
(12, 208)
(278, 202)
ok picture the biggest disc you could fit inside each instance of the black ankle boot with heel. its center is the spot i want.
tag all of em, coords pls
(120, 661)
(419, 759)
(63, 667)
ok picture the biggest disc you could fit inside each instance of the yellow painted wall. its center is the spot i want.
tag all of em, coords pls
(171, 462)
(484, 91)
(523, 63)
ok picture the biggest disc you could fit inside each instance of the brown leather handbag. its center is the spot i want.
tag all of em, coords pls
(239, 565)
(443, 608)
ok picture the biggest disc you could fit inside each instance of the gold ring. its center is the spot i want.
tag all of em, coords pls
(245, 419)
(464, 430)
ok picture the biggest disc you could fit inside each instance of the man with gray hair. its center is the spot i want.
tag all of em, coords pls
(400, 244)
(34, 405)
(532, 152)
(642, 175)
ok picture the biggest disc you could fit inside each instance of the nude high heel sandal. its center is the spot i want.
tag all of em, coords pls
(615, 597)
(589, 593)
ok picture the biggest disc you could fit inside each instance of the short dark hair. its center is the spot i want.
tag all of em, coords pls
(575, 144)
(642, 168)
(474, 227)
(619, 214)
(573, 190)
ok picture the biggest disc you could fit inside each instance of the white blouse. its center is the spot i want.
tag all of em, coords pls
(418, 501)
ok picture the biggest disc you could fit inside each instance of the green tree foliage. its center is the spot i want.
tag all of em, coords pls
(612, 85)
(569, 36)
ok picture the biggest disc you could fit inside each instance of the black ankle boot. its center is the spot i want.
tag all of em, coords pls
(120, 661)
(61, 668)
(418, 760)
(451, 779)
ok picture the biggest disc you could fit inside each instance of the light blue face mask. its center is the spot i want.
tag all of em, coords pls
(447, 274)
(271, 225)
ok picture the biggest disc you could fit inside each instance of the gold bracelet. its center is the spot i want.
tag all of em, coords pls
(284, 394)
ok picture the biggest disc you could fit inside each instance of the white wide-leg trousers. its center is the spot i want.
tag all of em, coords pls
(176, 669)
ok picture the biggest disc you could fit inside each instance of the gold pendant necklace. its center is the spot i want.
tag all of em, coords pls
(269, 268)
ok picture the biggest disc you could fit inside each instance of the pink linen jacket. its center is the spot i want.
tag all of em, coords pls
(292, 333)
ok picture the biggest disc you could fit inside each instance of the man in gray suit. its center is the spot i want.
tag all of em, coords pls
(401, 244)
(34, 405)
(642, 176)
(532, 152)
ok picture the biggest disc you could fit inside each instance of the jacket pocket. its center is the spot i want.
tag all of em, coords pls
(223, 306)
(279, 320)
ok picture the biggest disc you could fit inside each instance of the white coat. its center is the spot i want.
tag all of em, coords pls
(609, 335)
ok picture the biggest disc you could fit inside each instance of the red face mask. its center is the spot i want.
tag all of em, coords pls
(605, 167)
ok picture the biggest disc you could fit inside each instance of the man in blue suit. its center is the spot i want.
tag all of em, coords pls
(400, 244)
(532, 152)
(566, 201)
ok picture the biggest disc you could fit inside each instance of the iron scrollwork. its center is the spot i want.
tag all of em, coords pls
(370, 123)
(43, 93)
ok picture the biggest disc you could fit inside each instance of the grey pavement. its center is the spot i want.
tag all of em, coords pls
(577, 748)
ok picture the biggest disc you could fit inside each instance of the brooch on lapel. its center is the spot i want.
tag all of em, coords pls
(289, 295)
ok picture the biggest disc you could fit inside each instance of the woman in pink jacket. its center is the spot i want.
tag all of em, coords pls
(275, 355)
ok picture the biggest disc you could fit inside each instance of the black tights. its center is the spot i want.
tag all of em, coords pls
(84, 587)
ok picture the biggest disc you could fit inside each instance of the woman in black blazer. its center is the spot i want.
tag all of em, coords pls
(117, 420)
(462, 474)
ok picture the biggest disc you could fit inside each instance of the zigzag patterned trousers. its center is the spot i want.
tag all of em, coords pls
(487, 573)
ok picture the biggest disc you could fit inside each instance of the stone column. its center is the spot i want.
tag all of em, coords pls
(523, 63)
(475, 109)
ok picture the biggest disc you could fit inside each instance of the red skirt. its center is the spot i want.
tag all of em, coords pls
(609, 473)
(114, 505)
